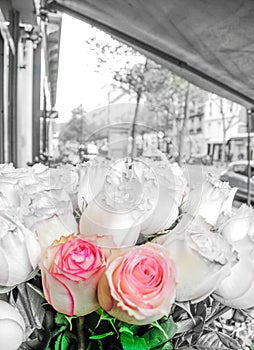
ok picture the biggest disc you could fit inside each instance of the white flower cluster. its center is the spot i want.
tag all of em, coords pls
(211, 245)
(34, 204)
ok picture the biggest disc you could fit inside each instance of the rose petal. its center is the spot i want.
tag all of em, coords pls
(11, 335)
(19, 264)
(59, 294)
(4, 268)
(33, 249)
(163, 216)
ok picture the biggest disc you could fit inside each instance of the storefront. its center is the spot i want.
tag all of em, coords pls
(238, 146)
(28, 77)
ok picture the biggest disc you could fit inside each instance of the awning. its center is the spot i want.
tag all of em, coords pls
(215, 140)
(210, 43)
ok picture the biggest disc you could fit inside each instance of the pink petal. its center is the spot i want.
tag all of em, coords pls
(60, 296)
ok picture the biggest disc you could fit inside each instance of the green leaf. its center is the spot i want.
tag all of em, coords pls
(160, 334)
(64, 320)
(64, 341)
(126, 329)
(130, 341)
(59, 345)
(60, 319)
(101, 336)
(57, 331)
(169, 327)
(167, 346)
(104, 316)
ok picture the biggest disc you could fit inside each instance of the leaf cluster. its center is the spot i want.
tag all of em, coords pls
(190, 326)
(201, 326)
(109, 333)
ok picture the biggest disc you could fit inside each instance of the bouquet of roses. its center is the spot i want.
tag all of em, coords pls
(122, 255)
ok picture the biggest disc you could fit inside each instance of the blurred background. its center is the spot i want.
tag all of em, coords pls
(70, 92)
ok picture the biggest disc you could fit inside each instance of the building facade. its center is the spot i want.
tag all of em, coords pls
(211, 122)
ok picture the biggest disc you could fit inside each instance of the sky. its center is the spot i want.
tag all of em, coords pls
(78, 83)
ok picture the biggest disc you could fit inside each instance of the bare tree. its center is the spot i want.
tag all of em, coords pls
(135, 79)
(182, 132)
(77, 128)
(172, 101)
(227, 123)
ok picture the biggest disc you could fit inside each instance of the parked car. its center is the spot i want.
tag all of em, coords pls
(237, 176)
(156, 155)
(103, 151)
(88, 152)
(205, 160)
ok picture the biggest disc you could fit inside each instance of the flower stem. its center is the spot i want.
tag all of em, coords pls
(81, 332)
(217, 314)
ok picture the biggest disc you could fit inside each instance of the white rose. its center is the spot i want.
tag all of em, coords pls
(9, 181)
(12, 327)
(66, 177)
(130, 197)
(203, 259)
(19, 252)
(40, 173)
(237, 290)
(49, 214)
(171, 177)
(92, 178)
(163, 189)
(103, 219)
(163, 215)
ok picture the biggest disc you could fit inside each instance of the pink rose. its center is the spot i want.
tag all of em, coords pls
(139, 285)
(71, 269)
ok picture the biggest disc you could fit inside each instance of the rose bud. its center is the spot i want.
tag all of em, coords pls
(237, 290)
(203, 259)
(71, 269)
(19, 252)
(12, 327)
(210, 200)
(138, 286)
